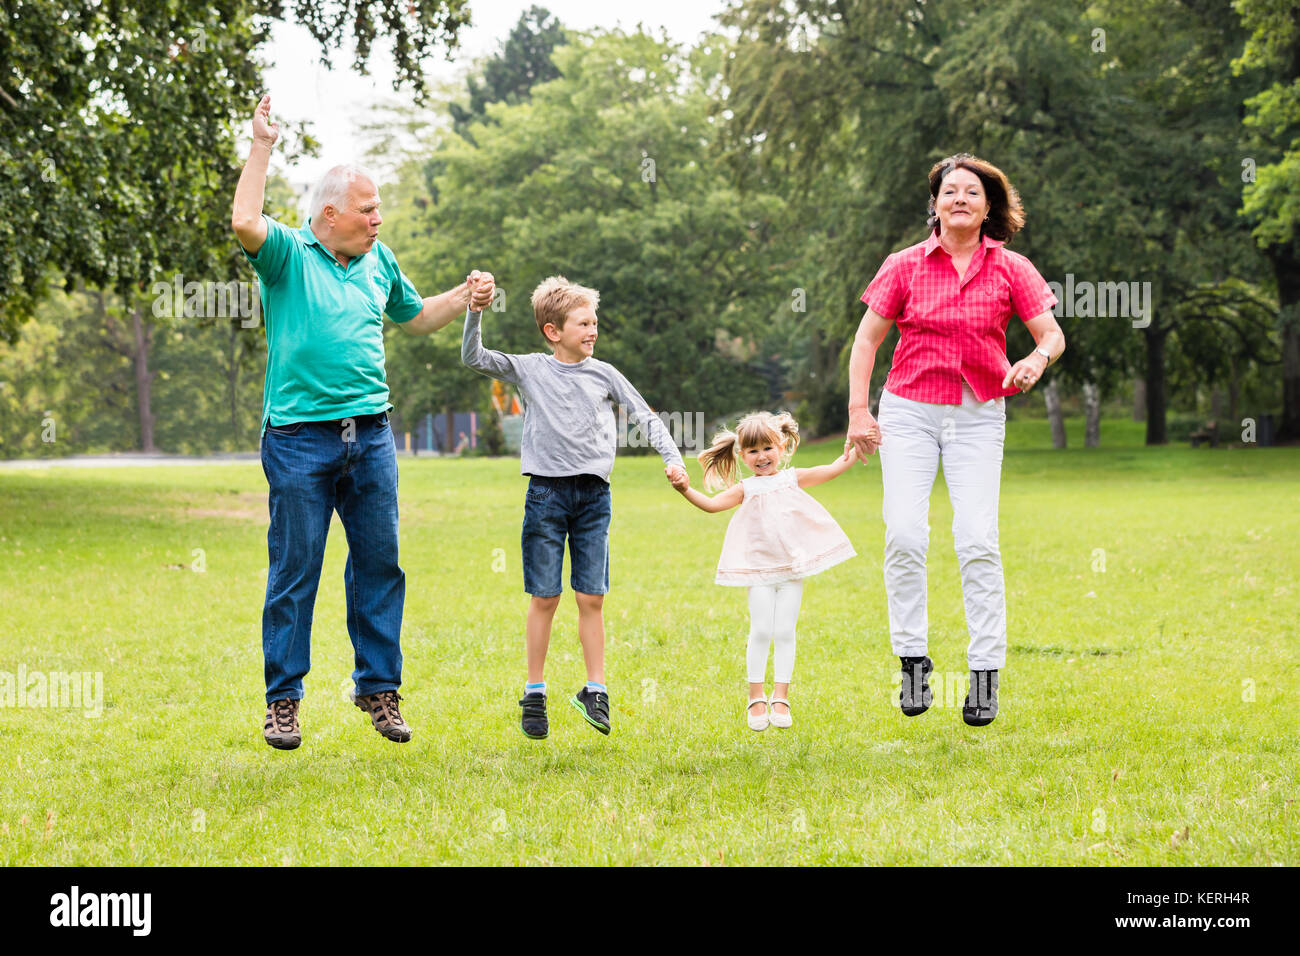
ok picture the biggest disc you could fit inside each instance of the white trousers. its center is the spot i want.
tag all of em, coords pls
(773, 613)
(968, 438)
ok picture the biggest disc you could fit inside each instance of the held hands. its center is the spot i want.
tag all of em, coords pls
(864, 434)
(264, 131)
(677, 475)
(1026, 372)
(481, 288)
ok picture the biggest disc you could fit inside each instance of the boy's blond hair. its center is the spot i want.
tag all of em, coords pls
(721, 460)
(556, 297)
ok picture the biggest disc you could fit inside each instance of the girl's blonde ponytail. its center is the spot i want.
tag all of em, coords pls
(789, 430)
(720, 461)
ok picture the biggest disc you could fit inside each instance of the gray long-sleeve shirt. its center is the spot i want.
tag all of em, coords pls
(569, 422)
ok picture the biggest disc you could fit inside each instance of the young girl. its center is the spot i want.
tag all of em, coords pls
(780, 536)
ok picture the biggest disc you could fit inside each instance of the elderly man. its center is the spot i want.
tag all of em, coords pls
(326, 443)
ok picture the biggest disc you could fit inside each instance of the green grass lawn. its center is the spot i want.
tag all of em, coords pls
(1148, 704)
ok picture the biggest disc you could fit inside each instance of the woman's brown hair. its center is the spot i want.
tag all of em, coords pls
(1006, 214)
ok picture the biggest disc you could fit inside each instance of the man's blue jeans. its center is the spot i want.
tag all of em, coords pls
(314, 470)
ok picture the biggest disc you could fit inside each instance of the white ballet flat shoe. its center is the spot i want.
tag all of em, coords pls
(760, 721)
(780, 720)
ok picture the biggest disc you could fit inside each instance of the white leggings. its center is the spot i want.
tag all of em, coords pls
(773, 612)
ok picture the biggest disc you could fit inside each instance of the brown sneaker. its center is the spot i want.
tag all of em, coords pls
(384, 715)
(281, 727)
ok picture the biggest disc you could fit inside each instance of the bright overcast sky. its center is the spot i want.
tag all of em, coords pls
(333, 100)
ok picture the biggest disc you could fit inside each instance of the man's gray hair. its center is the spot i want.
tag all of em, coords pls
(332, 190)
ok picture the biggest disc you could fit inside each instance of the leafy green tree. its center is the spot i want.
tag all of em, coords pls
(605, 176)
(1174, 88)
(1272, 201)
(118, 131)
(509, 76)
(68, 385)
(1087, 107)
(417, 29)
(1232, 347)
(425, 374)
(28, 425)
(80, 382)
(118, 124)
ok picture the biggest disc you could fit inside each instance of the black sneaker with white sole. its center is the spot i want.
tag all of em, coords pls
(982, 702)
(594, 707)
(533, 720)
(914, 696)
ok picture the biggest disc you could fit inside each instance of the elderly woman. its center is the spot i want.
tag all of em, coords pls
(952, 297)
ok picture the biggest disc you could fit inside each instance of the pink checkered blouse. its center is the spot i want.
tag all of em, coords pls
(952, 329)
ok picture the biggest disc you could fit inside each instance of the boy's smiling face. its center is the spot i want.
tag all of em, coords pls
(577, 340)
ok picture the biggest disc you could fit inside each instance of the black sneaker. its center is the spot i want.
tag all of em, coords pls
(533, 721)
(914, 696)
(982, 702)
(594, 707)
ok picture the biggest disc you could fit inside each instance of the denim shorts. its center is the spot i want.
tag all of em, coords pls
(576, 506)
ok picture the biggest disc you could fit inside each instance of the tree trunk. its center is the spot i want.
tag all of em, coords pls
(1139, 400)
(1234, 391)
(232, 379)
(1092, 415)
(1218, 401)
(1286, 266)
(828, 405)
(1290, 427)
(143, 380)
(1052, 396)
(1155, 339)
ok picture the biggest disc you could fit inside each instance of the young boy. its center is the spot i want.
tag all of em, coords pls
(568, 453)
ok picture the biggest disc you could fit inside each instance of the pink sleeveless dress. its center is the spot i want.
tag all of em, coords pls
(779, 533)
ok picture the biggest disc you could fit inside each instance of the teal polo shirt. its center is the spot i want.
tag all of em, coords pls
(325, 326)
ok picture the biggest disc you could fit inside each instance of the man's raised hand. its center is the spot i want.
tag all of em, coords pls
(264, 131)
(246, 212)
